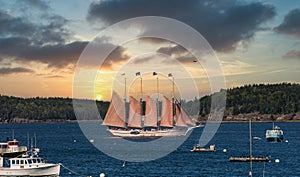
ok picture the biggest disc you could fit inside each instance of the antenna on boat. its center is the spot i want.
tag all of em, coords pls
(27, 139)
(250, 144)
(34, 140)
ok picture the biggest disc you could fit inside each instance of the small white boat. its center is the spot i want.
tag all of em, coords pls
(27, 166)
(274, 135)
(256, 138)
(197, 148)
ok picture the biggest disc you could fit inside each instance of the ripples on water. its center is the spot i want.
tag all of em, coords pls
(64, 143)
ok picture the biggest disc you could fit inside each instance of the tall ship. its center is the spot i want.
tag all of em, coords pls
(173, 121)
(274, 135)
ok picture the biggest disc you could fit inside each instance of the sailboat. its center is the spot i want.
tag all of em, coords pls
(250, 158)
(174, 120)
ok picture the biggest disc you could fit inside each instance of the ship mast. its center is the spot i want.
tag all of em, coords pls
(157, 102)
(125, 95)
(141, 99)
(250, 144)
(173, 96)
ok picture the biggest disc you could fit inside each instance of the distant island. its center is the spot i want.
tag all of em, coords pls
(261, 102)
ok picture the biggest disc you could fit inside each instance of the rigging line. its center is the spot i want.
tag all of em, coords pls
(73, 171)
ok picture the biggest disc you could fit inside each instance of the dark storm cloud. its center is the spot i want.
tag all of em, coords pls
(222, 23)
(292, 54)
(6, 71)
(290, 24)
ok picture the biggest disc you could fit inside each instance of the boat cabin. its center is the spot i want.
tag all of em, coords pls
(19, 163)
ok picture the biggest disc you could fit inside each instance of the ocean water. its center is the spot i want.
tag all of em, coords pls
(65, 143)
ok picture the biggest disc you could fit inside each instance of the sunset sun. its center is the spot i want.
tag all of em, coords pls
(99, 97)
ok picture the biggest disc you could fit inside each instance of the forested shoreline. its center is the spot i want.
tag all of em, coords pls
(263, 102)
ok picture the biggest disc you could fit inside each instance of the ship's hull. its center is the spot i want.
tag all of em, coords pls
(45, 170)
(274, 135)
(150, 133)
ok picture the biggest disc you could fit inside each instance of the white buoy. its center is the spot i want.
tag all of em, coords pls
(74, 141)
(224, 150)
(277, 160)
(286, 141)
(102, 175)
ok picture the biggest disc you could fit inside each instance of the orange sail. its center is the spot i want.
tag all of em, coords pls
(151, 113)
(135, 118)
(167, 116)
(115, 115)
(182, 118)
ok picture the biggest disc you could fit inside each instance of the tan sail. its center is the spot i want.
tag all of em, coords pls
(151, 113)
(167, 116)
(115, 115)
(182, 118)
(135, 118)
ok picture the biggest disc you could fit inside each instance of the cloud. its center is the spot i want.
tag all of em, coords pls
(177, 52)
(172, 50)
(290, 24)
(23, 39)
(154, 40)
(59, 55)
(14, 25)
(292, 54)
(116, 56)
(114, 11)
(223, 23)
(6, 71)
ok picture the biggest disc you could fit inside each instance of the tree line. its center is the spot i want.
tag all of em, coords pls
(281, 98)
(41, 109)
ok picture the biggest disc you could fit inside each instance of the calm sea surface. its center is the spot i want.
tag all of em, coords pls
(65, 143)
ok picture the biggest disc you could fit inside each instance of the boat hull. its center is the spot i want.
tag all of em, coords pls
(152, 133)
(45, 170)
(274, 135)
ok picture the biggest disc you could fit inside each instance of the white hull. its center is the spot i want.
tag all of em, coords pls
(42, 170)
(150, 133)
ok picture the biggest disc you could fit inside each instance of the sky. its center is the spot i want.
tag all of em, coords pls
(41, 41)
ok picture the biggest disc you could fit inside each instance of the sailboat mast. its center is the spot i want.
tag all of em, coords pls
(173, 99)
(250, 144)
(125, 95)
(157, 103)
(141, 99)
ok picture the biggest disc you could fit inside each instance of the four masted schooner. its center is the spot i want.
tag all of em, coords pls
(174, 121)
